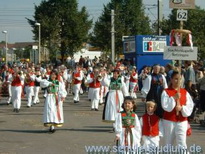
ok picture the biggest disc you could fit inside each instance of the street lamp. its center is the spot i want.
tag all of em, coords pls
(5, 32)
(39, 42)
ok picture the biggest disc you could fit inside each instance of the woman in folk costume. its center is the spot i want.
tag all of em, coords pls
(127, 127)
(178, 105)
(115, 97)
(16, 81)
(153, 87)
(133, 82)
(53, 108)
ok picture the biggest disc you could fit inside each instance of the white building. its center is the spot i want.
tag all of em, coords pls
(87, 53)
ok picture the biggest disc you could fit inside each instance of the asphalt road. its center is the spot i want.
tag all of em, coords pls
(24, 133)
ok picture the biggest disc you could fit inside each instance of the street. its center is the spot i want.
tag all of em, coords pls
(24, 133)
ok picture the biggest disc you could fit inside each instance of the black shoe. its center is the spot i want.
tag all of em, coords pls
(96, 110)
(52, 130)
(92, 109)
(28, 106)
(17, 110)
(76, 101)
(14, 110)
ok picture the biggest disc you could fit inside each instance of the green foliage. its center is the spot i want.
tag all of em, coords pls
(63, 27)
(130, 19)
(195, 23)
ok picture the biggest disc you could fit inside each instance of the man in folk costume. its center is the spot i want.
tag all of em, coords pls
(178, 105)
(133, 82)
(16, 89)
(53, 108)
(77, 80)
(94, 80)
(37, 86)
(29, 80)
(153, 86)
(114, 101)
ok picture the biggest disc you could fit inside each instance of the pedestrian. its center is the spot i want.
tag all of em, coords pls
(53, 107)
(153, 87)
(115, 96)
(127, 127)
(152, 128)
(133, 82)
(77, 81)
(37, 87)
(94, 80)
(16, 88)
(178, 105)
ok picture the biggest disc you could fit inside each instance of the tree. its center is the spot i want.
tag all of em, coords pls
(195, 23)
(130, 19)
(63, 27)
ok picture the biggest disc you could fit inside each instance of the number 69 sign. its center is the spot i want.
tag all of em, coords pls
(182, 15)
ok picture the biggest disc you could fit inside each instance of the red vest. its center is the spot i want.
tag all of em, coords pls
(150, 125)
(171, 116)
(30, 83)
(132, 79)
(16, 82)
(77, 74)
(95, 83)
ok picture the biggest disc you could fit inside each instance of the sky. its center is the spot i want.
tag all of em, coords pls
(13, 14)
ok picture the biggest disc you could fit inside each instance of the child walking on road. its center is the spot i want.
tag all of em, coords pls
(127, 127)
(151, 127)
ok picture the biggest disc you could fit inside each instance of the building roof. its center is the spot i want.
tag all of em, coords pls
(18, 45)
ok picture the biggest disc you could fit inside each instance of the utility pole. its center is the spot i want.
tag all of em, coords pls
(159, 6)
(113, 35)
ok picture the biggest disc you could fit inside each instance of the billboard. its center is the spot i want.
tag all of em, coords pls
(182, 4)
(129, 44)
(154, 44)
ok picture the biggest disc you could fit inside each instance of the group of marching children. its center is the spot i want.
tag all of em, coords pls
(168, 106)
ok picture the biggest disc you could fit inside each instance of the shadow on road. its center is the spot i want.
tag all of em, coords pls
(25, 131)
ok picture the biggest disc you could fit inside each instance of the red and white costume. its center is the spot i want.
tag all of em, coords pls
(30, 88)
(133, 84)
(175, 126)
(16, 89)
(151, 130)
(77, 80)
(94, 90)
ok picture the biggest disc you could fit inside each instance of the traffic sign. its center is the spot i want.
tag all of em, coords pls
(182, 15)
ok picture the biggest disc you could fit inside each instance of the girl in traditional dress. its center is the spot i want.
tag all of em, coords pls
(115, 98)
(127, 127)
(53, 108)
